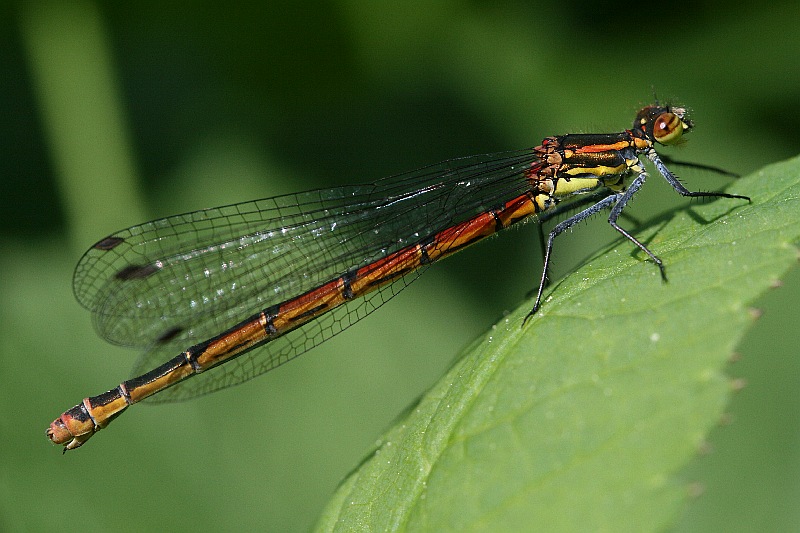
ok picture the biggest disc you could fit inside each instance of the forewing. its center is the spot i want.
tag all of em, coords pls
(176, 281)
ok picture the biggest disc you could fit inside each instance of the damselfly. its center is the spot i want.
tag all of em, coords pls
(284, 274)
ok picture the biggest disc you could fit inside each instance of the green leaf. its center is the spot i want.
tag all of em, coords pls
(583, 416)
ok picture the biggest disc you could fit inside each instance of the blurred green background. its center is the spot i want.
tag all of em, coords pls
(112, 114)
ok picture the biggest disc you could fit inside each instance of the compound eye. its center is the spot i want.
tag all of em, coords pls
(668, 128)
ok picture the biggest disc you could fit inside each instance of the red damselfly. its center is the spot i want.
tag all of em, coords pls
(284, 274)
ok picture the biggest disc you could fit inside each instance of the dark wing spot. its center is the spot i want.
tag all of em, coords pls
(136, 272)
(169, 335)
(108, 243)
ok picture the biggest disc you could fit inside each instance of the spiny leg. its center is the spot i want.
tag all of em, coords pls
(636, 184)
(560, 228)
(616, 211)
(678, 186)
(619, 202)
(562, 208)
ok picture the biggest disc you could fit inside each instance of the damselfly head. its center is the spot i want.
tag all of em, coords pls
(662, 124)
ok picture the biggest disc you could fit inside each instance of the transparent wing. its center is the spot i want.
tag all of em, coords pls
(170, 283)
